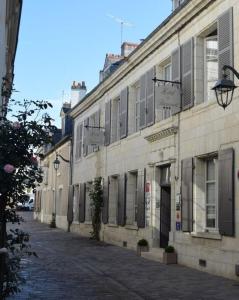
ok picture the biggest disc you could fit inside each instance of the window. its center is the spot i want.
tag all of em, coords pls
(113, 199)
(131, 199)
(167, 72)
(211, 193)
(211, 65)
(115, 123)
(137, 107)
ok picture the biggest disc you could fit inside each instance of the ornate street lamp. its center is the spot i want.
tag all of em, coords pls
(56, 163)
(224, 88)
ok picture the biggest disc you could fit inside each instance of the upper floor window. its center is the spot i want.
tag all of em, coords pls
(211, 65)
(115, 122)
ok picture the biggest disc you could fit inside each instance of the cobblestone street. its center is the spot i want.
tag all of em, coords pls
(73, 267)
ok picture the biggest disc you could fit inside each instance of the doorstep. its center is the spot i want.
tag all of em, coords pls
(155, 254)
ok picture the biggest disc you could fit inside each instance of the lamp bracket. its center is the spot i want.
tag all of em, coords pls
(97, 127)
(166, 81)
(226, 67)
(65, 160)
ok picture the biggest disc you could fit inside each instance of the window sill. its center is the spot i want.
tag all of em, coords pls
(207, 235)
(112, 225)
(114, 144)
(133, 135)
(131, 227)
(88, 223)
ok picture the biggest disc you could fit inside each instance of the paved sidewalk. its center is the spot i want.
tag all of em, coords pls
(71, 267)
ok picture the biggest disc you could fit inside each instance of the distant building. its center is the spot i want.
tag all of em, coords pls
(10, 15)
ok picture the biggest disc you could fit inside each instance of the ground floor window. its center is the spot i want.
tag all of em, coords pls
(131, 198)
(113, 199)
(88, 206)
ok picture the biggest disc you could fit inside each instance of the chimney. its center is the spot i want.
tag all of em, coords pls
(78, 92)
(127, 48)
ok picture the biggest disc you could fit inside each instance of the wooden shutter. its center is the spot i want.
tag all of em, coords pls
(82, 203)
(187, 195)
(141, 198)
(105, 208)
(124, 113)
(70, 204)
(150, 96)
(225, 42)
(122, 200)
(107, 123)
(97, 124)
(226, 216)
(85, 147)
(187, 74)
(176, 76)
(142, 104)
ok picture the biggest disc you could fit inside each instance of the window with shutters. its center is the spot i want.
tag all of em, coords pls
(113, 199)
(131, 198)
(211, 193)
(211, 65)
(88, 207)
(115, 120)
(134, 108)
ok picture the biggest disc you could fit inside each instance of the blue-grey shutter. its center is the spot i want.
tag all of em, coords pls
(107, 123)
(141, 198)
(123, 113)
(82, 203)
(70, 204)
(142, 103)
(226, 216)
(187, 74)
(225, 42)
(85, 147)
(97, 124)
(105, 208)
(122, 200)
(150, 96)
(187, 194)
(176, 76)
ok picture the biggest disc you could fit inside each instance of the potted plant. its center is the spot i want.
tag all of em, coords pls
(142, 246)
(169, 255)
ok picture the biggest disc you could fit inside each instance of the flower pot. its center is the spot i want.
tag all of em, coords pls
(169, 258)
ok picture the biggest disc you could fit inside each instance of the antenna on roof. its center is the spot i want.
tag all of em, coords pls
(122, 24)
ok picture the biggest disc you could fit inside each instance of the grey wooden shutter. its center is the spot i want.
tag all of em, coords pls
(142, 103)
(225, 42)
(187, 74)
(141, 198)
(226, 216)
(70, 204)
(107, 123)
(150, 96)
(122, 200)
(105, 208)
(80, 141)
(176, 76)
(85, 147)
(97, 124)
(82, 203)
(187, 195)
(124, 113)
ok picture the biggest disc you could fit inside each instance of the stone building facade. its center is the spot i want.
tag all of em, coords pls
(170, 155)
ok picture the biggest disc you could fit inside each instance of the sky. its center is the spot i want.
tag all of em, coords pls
(65, 40)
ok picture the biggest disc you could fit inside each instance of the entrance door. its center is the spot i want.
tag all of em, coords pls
(165, 215)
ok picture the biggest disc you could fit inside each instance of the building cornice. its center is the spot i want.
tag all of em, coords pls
(169, 28)
(156, 136)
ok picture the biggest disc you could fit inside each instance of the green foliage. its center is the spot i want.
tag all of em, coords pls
(24, 129)
(96, 196)
(143, 243)
(169, 249)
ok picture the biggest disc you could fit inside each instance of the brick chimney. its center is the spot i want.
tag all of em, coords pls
(78, 91)
(127, 48)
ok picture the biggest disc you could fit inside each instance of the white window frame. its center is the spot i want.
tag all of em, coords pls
(137, 108)
(215, 181)
(206, 96)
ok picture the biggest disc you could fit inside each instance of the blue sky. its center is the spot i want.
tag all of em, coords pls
(65, 40)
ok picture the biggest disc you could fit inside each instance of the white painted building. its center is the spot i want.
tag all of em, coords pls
(10, 14)
(170, 156)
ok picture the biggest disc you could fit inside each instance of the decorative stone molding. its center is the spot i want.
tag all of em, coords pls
(153, 137)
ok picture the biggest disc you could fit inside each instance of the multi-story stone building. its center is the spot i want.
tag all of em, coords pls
(10, 14)
(170, 154)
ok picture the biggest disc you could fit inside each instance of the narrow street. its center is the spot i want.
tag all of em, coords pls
(73, 267)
